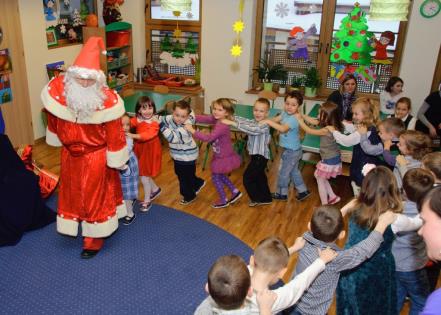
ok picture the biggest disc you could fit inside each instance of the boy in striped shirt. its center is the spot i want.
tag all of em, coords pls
(254, 177)
(183, 149)
(326, 227)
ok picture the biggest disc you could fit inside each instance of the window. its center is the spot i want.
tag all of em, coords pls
(159, 31)
(278, 21)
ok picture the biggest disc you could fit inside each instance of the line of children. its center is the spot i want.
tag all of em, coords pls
(254, 176)
(225, 159)
(267, 266)
(289, 140)
(183, 149)
(330, 165)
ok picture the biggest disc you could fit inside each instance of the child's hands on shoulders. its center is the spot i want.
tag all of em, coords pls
(387, 144)
(401, 160)
(330, 128)
(327, 255)
(131, 135)
(298, 245)
(298, 116)
(361, 129)
(384, 220)
(189, 128)
(264, 122)
(155, 118)
(265, 300)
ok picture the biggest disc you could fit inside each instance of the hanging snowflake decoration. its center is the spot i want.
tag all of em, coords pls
(236, 50)
(281, 9)
(63, 29)
(238, 26)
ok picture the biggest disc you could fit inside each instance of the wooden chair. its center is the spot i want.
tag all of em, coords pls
(163, 89)
(270, 95)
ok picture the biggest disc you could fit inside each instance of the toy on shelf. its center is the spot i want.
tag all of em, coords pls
(153, 77)
(111, 12)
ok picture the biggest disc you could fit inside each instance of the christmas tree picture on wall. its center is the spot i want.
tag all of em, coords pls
(352, 41)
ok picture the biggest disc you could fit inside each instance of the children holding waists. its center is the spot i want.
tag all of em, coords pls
(183, 150)
(254, 177)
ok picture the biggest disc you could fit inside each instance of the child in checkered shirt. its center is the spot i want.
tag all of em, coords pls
(129, 176)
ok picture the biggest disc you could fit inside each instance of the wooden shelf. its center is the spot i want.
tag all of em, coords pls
(185, 90)
(117, 48)
(118, 67)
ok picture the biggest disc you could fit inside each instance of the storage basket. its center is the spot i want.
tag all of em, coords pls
(118, 38)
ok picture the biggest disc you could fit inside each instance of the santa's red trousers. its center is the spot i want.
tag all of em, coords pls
(91, 243)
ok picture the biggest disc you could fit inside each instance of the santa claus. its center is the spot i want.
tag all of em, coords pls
(85, 119)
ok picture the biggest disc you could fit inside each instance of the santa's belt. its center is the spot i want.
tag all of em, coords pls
(78, 149)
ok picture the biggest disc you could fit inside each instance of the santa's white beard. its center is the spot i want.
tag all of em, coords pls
(83, 101)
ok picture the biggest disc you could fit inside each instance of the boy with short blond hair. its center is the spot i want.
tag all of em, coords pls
(254, 177)
(267, 266)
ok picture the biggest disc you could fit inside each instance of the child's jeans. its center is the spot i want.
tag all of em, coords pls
(289, 171)
(414, 284)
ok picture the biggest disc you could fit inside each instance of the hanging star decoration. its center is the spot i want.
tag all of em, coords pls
(238, 26)
(236, 50)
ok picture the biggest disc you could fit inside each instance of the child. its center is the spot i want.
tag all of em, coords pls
(224, 159)
(288, 126)
(432, 163)
(326, 226)
(365, 113)
(147, 148)
(392, 92)
(409, 249)
(389, 131)
(130, 176)
(254, 177)
(268, 265)
(413, 145)
(183, 150)
(371, 288)
(403, 108)
(330, 164)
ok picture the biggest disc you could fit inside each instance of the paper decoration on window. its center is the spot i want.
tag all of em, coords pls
(238, 26)
(389, 10)
(352, 40)
(175, 53)
(387, 38)
(298, 42)
(281, 10)
(364, 73)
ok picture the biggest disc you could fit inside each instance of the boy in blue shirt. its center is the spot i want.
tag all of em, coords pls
(288, 127)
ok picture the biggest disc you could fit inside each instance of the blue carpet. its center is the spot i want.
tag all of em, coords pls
(157, 265)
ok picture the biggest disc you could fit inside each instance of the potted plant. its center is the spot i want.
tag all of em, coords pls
(312, 82)
(296, 83)
(267, 74)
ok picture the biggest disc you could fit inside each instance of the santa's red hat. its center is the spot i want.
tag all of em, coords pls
(87, 63)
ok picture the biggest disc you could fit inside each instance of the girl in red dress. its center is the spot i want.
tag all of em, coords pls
(147, 148)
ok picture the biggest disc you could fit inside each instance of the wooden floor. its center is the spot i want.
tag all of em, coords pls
(287, 220)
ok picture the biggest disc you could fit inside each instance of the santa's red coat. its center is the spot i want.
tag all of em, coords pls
(90, 190)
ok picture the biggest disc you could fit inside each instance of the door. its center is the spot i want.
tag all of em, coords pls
(15, 105)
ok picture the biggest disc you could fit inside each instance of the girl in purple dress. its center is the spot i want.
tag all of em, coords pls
(224, 158)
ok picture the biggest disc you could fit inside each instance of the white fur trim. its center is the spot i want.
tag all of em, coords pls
(52, 139)
(85, 73)
(66, 226)
(103, 229)
(117, 159)
(121, 210)
(98, 117)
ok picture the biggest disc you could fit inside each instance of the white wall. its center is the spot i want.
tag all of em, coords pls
(222, 75)
(37, 55)
(420, 52)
